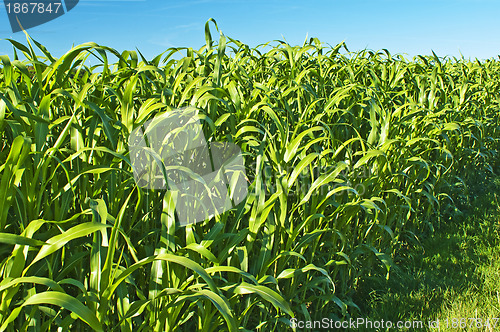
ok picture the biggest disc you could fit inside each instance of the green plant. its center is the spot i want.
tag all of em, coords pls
(349, 155)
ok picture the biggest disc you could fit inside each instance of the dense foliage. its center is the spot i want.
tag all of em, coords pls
(348, 155)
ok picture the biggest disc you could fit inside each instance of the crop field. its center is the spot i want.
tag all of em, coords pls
(349, 156)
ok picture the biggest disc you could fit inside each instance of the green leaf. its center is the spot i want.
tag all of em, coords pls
(62, 300)
(57, 242)
(267, 294)
(20, 240)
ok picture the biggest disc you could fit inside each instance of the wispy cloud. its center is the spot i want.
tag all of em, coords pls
(188, 27)
(161, 41)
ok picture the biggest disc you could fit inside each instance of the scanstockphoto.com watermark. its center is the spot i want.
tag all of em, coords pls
(447, 323)
(330, 324)
(204, 179)
(24, 14)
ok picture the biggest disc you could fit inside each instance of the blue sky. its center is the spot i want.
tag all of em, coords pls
(411, 27)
